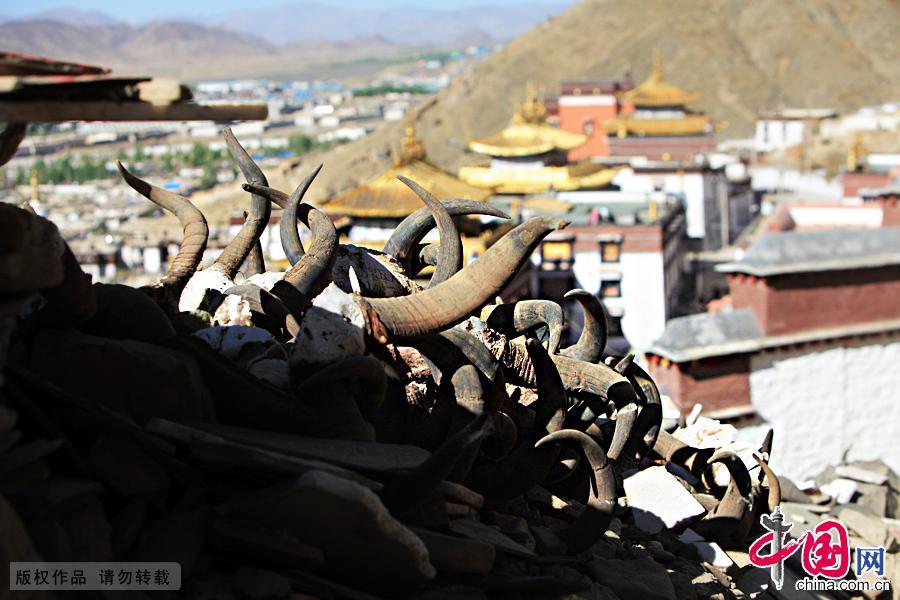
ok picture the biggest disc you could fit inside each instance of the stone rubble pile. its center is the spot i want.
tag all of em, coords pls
(336, 431)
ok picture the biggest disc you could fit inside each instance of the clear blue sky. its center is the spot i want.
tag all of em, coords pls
(142, 10)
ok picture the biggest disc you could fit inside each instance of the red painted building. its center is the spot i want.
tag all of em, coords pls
(583, 107)
(804, 292)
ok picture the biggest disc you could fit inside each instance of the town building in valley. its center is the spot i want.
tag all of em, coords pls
(810, 345)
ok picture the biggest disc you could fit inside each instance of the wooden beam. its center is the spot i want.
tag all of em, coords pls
(53, 112)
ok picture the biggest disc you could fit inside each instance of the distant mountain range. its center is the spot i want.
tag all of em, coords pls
(266, 41)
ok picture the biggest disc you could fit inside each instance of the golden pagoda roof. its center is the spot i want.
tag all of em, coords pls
(528, 134)
(538, 179)
(656, 91)
(686, 125)
(387, 197)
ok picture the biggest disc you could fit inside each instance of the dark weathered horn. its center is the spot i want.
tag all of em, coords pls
(675, 451)
(412, 489)
(736, 499)
(578, 376)
(231, 258)
(429, 253)
(273, 195)
(404, 242)
(593, 522)
(448, 354)
(552, 400)
(625, 420)
(649, 420)
(290, 236)
(592, 341)
(774, 498)
(312, 273)
(196, 231)
(524, 316)
(255, 263)
(450, 254)
(463, 294)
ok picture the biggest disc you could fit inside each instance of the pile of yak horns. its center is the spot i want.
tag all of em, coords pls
(346, 345)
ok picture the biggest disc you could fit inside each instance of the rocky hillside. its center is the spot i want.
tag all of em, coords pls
(742, 57)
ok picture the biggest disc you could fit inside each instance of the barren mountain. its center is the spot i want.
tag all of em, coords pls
(742, 57)
(415, 25)
(182, 49)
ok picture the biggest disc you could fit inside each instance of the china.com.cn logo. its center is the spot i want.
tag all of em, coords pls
(825, 553)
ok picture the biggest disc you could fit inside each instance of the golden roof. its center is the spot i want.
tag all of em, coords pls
(656, 91)
(686, 125)
(388, 197)
(528, 134)
(538, 179)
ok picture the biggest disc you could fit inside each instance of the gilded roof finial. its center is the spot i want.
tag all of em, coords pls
(533, 109)
(35, 191)
(657, 69)
(411, 148)
(856, 155)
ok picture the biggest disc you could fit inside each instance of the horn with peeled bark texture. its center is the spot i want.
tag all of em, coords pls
(312, 273)
(524, 316)
(403, 243)
(290, 237)
(582, 533)
(450, 253)
(594, 334)
(231, 258)
(463, 294)
(578, 377)
(196, 231)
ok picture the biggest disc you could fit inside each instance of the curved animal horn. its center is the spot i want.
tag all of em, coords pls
(290, 237)
(450, 254)
(675, 451)
(196, 231)
(271, 194)
(406, 237)
(592, 341)
(306, 279)
(552, 400)
(231, 258)
(429, 254)
(774, 484)
(625, 420)
(255, 263)
(579, 377)
(449, 303)
(525, 315)
(593, 522)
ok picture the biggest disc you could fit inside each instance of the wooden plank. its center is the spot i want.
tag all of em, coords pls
(52, 112)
